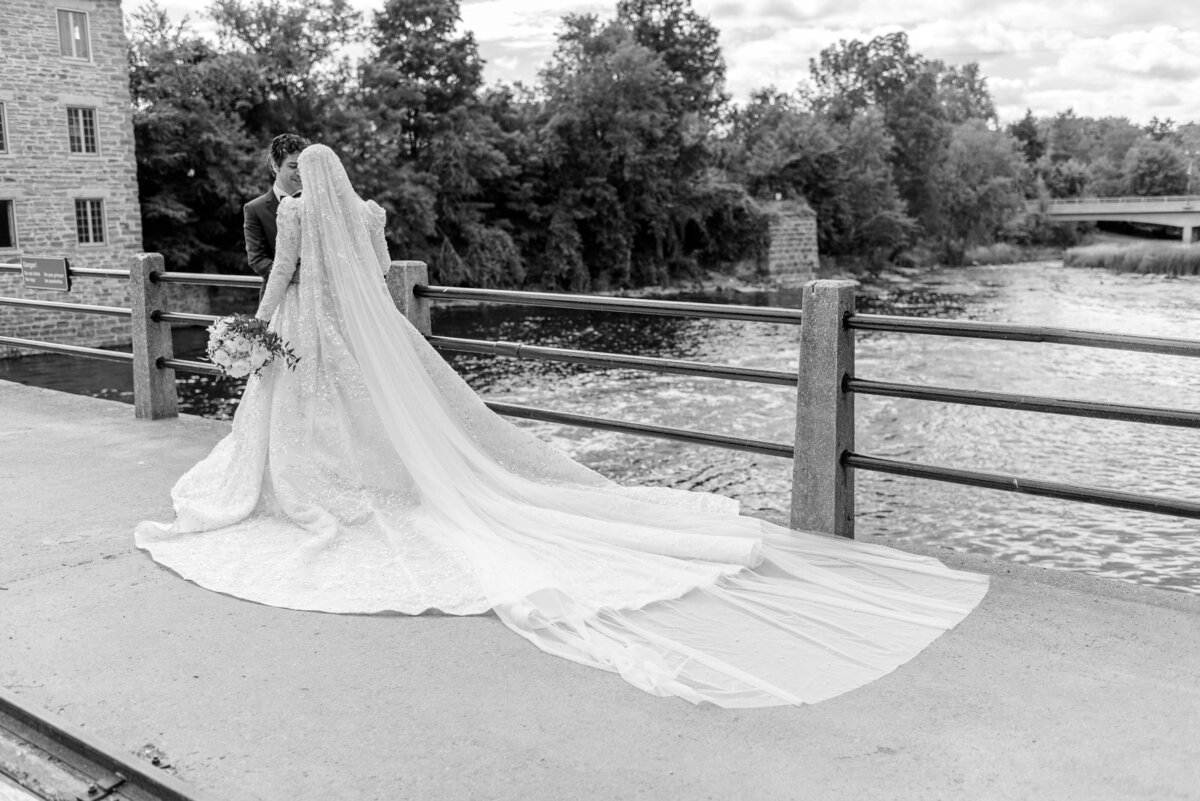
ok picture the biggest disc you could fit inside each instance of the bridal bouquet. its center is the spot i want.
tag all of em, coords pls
(241, 345)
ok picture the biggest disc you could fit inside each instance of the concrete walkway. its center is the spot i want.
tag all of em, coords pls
(1059, 686)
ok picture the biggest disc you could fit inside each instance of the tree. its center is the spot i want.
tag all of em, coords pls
(841, 168)
(1105, 178)
(919, 99)
(295, 45)
(1155, 168)
(197, 161)
(984, 174)
(426, 149)
(1026, 132)
(1068, 137)
(689, 47)
(964, 93)
(852, 75)
(625, 149)
(1161, 130)
(1067, 178)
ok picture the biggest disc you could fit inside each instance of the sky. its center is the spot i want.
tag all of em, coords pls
(1099, 57)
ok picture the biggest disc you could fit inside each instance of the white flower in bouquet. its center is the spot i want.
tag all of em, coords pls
(240, 368)
(221, 356)
(259, 355)
(240, 344)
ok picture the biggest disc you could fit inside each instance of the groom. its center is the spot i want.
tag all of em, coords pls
(259, 214)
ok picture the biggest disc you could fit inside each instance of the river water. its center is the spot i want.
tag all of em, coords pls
(1131, 546)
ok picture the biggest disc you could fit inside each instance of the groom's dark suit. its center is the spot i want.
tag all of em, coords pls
(260, 231)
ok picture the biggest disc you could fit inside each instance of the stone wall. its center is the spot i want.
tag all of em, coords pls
(792, 257)
(42, 178)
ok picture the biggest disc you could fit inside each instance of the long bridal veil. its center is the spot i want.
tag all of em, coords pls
(373, 479)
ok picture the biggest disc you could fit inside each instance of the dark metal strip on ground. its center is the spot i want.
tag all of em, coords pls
(85, 757)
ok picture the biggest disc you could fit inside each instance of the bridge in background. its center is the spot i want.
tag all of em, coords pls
(1180, 211)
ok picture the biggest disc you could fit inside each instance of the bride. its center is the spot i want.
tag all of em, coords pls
(372, 479)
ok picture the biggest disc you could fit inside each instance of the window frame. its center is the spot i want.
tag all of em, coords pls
(5, 147)
(12, 223)
(91, 222)
(91, 114)
(87, 34)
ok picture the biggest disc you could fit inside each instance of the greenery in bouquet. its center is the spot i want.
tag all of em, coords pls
(241, 345)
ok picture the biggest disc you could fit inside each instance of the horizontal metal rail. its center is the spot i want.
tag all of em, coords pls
(643, 429)
(104, 766)
(518, 350)
(183, 317)
(1026, 403)
(665, 308)
(207, 279)
(1026, 486)
(1014, 332)
(187, 366)
(78, 308)
(585, 421)
(69, 350)
(86, 272)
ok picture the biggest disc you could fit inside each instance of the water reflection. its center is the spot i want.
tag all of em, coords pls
(1131, 546)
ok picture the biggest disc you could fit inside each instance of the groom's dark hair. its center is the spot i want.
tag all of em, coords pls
(284, 144)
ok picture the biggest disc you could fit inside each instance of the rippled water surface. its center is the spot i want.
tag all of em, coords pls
(1144, 548)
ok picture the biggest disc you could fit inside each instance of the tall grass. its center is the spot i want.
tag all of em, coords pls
(1170, 258)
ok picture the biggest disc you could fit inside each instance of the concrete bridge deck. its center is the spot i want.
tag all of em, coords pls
(1058, 686)
(1179, 211)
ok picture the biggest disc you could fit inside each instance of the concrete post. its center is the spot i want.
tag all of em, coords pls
(822, 488)
(1188, 236)
(401, 278)
(153, 386)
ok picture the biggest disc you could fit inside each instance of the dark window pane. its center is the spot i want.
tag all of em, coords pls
(82, 49)
(97, 221)
(64, 33)
(8, 225)
(89, 221)
(74, 130)
(89, 130)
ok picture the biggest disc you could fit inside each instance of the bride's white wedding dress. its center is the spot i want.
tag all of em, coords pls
(373, 479)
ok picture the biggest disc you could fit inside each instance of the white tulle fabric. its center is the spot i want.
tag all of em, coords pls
(373, 479)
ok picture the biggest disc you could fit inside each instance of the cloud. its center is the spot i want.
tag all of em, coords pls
(1100, 57)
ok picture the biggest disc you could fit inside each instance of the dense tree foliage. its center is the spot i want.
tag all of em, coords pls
(626, 163)
(196, 159)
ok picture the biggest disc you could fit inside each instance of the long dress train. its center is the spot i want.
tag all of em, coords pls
(373, 479)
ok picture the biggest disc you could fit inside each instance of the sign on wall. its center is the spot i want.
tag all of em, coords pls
(39, 273)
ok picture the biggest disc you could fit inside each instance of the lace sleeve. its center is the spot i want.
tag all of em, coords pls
(287, 254)
(375, 220)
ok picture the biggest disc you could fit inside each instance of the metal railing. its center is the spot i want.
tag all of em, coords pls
(823, 454)
(1118, 201)
(73, 308)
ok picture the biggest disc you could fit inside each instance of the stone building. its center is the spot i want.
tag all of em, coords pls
(68, 176)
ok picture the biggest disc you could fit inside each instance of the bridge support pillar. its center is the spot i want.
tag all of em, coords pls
(1189, 234)
(401, 279)
(823, 487)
